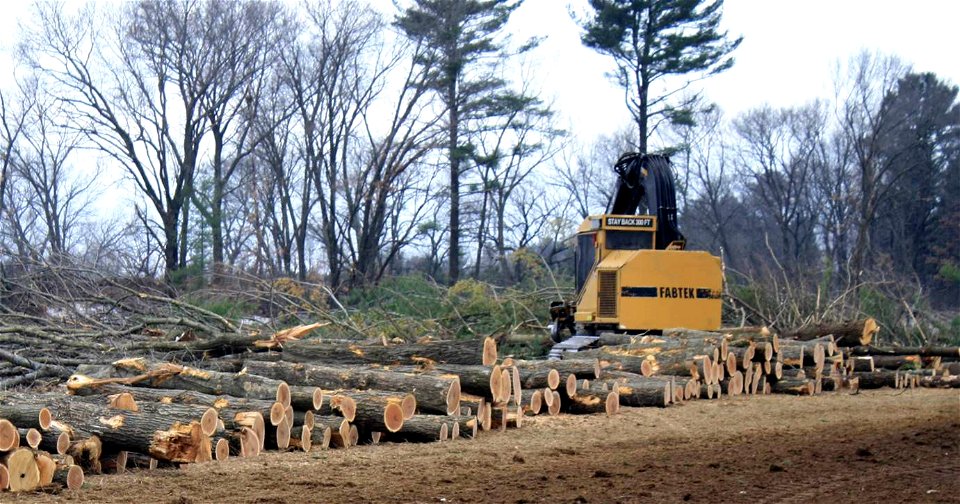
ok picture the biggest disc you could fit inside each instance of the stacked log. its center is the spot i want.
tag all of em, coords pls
(143, 413)
(757, 360)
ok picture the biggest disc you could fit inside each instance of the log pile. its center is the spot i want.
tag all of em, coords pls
(301, 396)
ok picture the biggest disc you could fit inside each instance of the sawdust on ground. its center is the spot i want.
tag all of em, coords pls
(876, 446)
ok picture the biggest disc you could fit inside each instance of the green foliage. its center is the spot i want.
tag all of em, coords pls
(952, 334)
(651, 39)
(225, 307)
(411, 307)
(190, 277)
(950, 272)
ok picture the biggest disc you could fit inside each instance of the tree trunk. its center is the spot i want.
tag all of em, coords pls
(166, 433)
(434, 393)
(141, 373)
(583, 368)
(847, 333)
(637, 392)
(897, 361)
(924, 351)
(447, 352)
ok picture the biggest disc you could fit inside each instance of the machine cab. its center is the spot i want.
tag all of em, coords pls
(599, 234)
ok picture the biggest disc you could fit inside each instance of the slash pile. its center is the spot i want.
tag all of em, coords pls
(311, 394)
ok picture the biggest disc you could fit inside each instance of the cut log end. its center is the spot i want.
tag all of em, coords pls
(346, 405)
(306, 439)
(283, 435)
(443, 432)
(209, 421)
(309, 420)
(570, 387)
(536, 402)
(554, 408)
(317, 398)
(63, 443)
(9, 437)
(4, 477)
(277, 412)
(646, 368)
(409, 406)
(731, 363)
(123, 401)
(249, 443)
(24, 473)
(375, 437)
(393, 417)
(496, 377)
(612, 404)
(222, 450)
(74, 477)
(33, 438)
(455, 431)
(870, 329)
(327, 436)
(354, 435)
(518, 386)
(553, 379)
(489, 357)
(45, 418)
(506, 386)
(453, 397)
(283, 394)
(47, 467)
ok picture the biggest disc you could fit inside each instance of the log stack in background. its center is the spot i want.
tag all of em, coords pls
(314, 395)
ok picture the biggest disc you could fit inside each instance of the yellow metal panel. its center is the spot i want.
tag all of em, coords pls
(658, 289)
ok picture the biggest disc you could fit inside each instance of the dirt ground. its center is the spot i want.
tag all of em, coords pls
(877, 446)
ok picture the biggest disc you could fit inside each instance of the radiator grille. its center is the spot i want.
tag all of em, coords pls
(607, 294)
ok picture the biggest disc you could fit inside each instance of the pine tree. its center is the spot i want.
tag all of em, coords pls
(465, 37)
(651, 39)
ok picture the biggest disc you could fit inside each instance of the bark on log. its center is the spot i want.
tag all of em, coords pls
(486, 381)
(23, 411)
(878, 379)
(332, 425)
(897, 361)
(794, 387)
(422, 428)
(573, 364)
(478, 352)
(638, 392)
(923, 351)
(535, 401)
(679, 361)
(847, 333)
(69, 477)
(540, 378)
(590, 401)
(165, 436)
(435, 393)
(940, 381)
(164, 375)
(384, 418)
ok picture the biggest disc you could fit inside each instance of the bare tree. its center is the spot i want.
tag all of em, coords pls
(777, 159)
(134, 84)
(509, 151)
(56, 197)
(243, 38)
(867, 127)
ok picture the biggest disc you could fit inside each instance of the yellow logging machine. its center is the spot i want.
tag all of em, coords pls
(633, 274)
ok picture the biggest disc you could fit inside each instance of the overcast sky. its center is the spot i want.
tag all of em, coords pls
(789, 51)
(788, 55)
